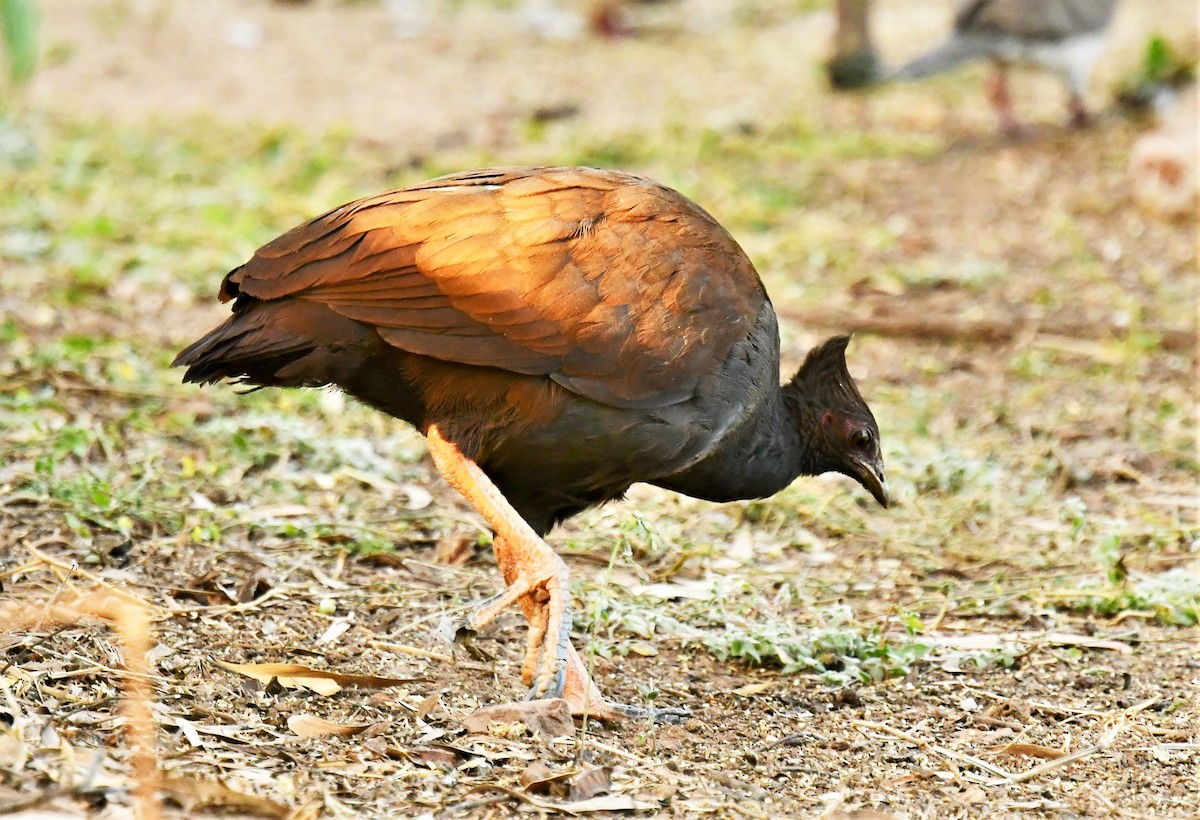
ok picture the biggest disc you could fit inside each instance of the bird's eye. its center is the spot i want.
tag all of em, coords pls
(861, 438)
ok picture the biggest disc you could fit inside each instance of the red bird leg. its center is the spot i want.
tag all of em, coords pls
(1002, 101)
(536, 576)
(1080, 117)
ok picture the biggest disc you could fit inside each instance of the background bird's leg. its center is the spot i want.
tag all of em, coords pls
(1001, 100)
(1080, 117)
(536, 576)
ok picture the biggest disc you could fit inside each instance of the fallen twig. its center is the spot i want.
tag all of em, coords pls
(73, 568)
(954, 328)
(978, 641)
(941, 750)
(1037, 771)
(405, 649)
(592, 743)
(222, 609)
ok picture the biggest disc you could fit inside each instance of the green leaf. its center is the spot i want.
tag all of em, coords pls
(19, 20)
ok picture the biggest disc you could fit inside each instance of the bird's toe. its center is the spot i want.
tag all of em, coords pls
(549, 642)
(670, 714)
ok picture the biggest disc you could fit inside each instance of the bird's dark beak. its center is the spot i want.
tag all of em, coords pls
(870, 475)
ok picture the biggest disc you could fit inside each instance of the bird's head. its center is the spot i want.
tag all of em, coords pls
(837, 425)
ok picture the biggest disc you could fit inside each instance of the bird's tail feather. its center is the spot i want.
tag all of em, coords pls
(279, 344)
(949, 55)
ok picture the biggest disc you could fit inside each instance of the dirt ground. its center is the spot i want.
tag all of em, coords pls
(1017, 636)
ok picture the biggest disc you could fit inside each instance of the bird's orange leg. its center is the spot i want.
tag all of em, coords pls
(536, 576)
(537, 582)
(580, 692)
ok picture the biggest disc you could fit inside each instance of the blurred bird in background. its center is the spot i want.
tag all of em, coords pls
(1162, 164)
(1064, 36)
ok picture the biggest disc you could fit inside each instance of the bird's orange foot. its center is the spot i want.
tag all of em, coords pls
(537, 582)
(536, 576)
(541, 588)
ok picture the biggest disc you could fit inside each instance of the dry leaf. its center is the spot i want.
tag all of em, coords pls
(538, 778)
(972, 796)
(336, 629)
(193, 794)
(205, 589)
(752, 689)
(911, 777)
(251, 588)
(591, 783)
(296, 676)
(428, 705)
(433, 758)
(549, 718)
(1028, 750)
(455, 551)
(313, 726)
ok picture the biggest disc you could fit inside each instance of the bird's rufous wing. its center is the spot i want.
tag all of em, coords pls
(616, 288)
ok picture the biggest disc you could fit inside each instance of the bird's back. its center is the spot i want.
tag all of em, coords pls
(1040, 20)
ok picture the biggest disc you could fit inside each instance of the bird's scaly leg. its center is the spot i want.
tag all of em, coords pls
(1001, 100)
(536, 576)
(580, 692)
(537, 582)
(1080, 116)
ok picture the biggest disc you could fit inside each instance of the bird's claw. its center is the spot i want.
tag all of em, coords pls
(545, 667)
(544, 596)
(557, 683)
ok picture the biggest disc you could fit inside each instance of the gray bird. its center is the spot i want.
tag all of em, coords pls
(1065, 36)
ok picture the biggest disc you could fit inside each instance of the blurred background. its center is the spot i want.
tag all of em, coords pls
(728, 100)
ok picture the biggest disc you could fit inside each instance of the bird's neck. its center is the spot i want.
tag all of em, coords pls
(762, 456)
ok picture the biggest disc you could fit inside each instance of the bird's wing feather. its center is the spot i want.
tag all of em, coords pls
(1034, 19)
(616, 288)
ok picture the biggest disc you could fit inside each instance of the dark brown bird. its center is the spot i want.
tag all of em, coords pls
(557, 334)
